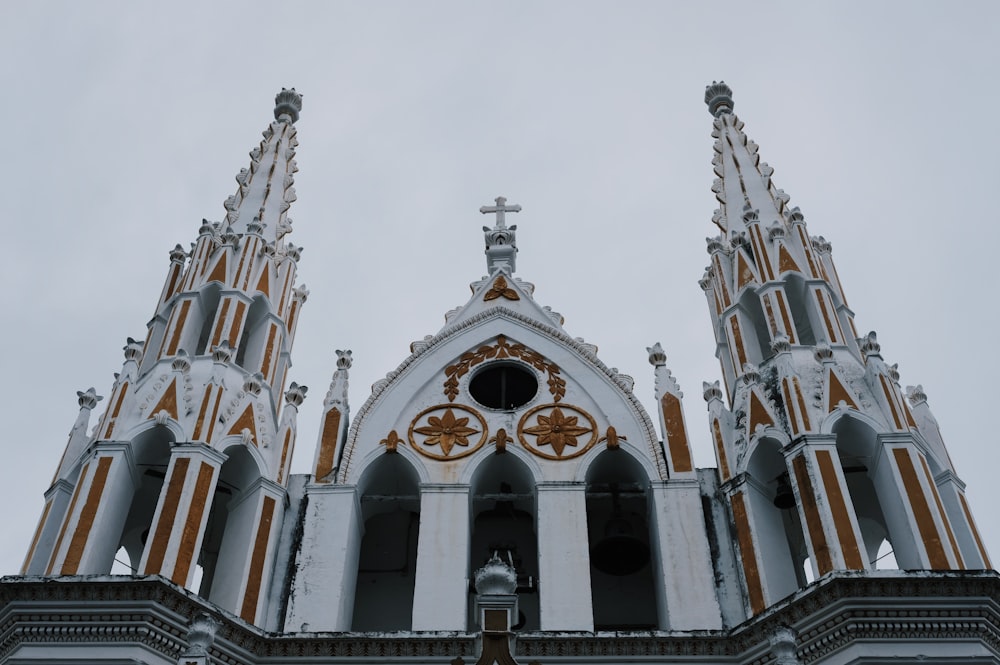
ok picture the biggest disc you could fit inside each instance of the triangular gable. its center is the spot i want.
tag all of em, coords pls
(785, 261)
(245, 421)
(745, 273)
(837, 393)
(168, 402)
(500, 290)
(264, 283)
(759, 412)
(219, 272)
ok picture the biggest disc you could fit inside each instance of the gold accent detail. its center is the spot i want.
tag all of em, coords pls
(759, 413)
(327, 445)
(265, 364)
(944, 515)
(200, 423)
(890, 398)
(921, 511)
(256, 572)
(748, 557)
(677, 442)
(237, 327)
(122, 389)
(68, 517)
(975, 531)
(245, 421)
(75, 551)
(391, 442)
(219, 271)
(263, 284)
(785, 261)
(611, 439)
(192, 526)
(790, 406)
(500, 290)
(789, 328)
(557, 430)
(744, 271)
(802, 403)
(175, 338)
(814, 522)
(837, 393)
(841, 516)
(168, 402)
(284, 454)
(720, 449)
(447, 431)
(741, 355)
(502, 349)
(826, 315)
(500, 440)
(168, 513)
(220, 323)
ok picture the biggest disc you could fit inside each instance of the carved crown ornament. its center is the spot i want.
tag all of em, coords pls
(503, 349)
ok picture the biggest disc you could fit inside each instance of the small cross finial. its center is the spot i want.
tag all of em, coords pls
(500, 209)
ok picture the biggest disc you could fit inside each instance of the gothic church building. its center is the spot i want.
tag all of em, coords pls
(503, 496)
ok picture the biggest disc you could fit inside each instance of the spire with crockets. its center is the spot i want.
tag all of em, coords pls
(825, 464)
(185, 473)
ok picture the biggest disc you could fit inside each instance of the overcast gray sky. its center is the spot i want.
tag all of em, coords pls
(127, 122)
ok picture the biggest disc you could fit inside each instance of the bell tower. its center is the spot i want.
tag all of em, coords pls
(184, 475)
(826, 463)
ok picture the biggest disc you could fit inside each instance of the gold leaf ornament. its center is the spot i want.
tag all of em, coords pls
(500, 290)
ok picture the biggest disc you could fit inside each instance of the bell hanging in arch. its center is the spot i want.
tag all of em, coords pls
(620, 552)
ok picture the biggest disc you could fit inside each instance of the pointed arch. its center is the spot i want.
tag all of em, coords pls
(387, 561)
(504, 513)
(588, 459)
(624, 591)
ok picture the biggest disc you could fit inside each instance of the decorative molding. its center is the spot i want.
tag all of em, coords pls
(557, 430)
(500, 290)
(502, 349)
(446, 431)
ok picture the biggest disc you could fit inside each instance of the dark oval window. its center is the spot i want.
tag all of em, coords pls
(503, 386)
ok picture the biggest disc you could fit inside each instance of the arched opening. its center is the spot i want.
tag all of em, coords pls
(777, 529)
(237, 474)
(797, 292)
(503, 521)
(622, 584)
(250, 347)
(858, 448)
(151, 452)
(387, 561)
(208, 301)
(756, 337)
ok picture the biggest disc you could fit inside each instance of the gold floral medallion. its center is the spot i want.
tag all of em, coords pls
(448, 431)
(557, 431)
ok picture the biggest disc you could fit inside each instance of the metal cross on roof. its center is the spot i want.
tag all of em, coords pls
(500, 209)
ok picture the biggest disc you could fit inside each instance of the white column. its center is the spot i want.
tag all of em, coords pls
(441, 590)
(686, 593)
(327, 568)
(564, 557)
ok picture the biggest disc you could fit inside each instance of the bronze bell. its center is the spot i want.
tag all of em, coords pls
(621, 552)
(784, 497)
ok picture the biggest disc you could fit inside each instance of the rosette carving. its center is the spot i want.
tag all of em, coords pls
(441, 433)
(557, 431)
(503, 349)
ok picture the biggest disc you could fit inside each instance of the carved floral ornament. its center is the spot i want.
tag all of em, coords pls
(551, 431)
(503, 349)
(500, 289)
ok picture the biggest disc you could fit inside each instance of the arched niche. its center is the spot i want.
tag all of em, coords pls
(250, 348)
(151, 456)
(238, 474)
(869, 483)
(622, 574)
(503, 512)
(387, 561)
(797, 292)
(777, 529)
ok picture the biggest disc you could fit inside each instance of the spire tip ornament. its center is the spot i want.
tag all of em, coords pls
(719, 98)
(287, 103)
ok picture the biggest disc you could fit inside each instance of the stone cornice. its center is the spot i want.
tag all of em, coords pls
(833, 612)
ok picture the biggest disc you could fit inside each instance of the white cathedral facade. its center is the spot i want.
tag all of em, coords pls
(503, 496)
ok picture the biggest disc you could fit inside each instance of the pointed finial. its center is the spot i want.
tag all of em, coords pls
(719, 98)
(501, 245)
(287, 103)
